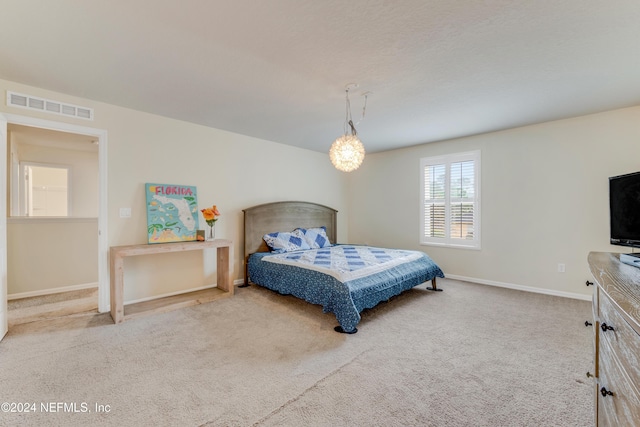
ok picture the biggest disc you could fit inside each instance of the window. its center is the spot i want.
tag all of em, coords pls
(46, 190)
(450, 193)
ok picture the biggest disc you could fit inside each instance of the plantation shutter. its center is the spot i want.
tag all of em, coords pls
(462, 196)
(450, 193)
(434, 201)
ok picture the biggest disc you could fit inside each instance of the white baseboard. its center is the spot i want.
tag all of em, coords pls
(170, 294)
(521, 287)
(52, 291)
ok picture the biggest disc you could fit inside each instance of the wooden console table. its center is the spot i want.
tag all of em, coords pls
(163, 304)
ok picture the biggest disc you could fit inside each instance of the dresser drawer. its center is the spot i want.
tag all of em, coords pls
(621, 408)
(623, 341)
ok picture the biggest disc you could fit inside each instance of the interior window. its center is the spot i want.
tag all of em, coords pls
(46, 190)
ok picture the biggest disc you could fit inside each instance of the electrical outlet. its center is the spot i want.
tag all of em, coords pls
(561, 268)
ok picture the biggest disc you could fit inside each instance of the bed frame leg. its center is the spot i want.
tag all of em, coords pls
(246, 282)
(246, 276)
(433, 286)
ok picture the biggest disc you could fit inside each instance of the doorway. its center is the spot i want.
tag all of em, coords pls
(100, 138)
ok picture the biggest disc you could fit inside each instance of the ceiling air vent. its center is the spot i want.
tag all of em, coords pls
(46, 105)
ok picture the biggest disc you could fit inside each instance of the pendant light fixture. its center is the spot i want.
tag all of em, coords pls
(347, 152)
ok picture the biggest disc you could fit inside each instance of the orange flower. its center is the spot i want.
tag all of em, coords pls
(210, 214)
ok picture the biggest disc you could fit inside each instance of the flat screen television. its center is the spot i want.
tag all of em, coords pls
(624, 209)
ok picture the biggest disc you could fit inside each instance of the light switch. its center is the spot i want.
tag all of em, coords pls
(125, 212)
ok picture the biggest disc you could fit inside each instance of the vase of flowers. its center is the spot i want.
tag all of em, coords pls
(211, 216)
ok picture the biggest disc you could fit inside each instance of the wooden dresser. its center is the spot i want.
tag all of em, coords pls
(616, 315)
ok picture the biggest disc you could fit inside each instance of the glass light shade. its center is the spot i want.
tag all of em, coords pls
(347, 153)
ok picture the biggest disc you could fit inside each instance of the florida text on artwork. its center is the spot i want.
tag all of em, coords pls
(172, 213)
(172, 190)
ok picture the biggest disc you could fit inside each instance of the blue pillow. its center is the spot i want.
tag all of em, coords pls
(286, 241)
(316, 237)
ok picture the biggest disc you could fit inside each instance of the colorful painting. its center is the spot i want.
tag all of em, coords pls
(172, 213)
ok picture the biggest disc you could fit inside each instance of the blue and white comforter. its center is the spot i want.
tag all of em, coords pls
(344, 279)
(346, 262)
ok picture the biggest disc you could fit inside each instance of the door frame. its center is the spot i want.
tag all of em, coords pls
(103, 244)
(4, 312)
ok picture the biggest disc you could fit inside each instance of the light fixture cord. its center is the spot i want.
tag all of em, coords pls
(364, 107)
(349, 119)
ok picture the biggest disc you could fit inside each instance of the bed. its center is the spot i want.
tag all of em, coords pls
(343, 279)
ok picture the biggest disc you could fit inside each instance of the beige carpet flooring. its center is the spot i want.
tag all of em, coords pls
(472, 355)
(45, 307)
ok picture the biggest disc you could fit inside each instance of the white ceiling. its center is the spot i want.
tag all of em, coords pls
(277, 69)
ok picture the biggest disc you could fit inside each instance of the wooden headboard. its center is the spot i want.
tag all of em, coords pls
(284, 216)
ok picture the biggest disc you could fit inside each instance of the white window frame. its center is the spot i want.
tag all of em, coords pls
(449, 241)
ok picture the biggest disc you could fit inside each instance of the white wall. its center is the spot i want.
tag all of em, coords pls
(544, 199)
(230, 170)
(49, 253)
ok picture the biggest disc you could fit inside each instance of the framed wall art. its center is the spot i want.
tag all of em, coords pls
(172, 213)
